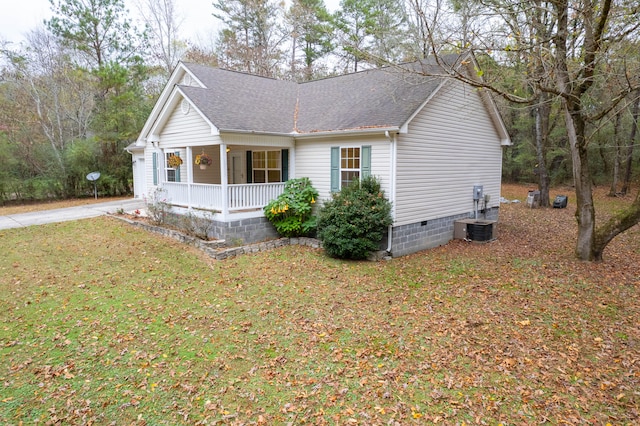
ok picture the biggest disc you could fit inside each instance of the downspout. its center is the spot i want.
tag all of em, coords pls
(392, 185)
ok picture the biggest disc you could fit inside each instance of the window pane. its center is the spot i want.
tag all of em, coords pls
(349, 176)
(274, 159)
(274, 175)
(259, 176)
(171, 175)
(273, 155)
(259, 159)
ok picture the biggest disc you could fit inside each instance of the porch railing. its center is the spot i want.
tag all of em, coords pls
(207, 196)
(253, 196)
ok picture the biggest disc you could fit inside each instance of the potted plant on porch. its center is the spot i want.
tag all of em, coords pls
(203, 160)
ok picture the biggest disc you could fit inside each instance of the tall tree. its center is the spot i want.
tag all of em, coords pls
(587, 26)
(109, 49)
(163, 26)
(370, 31)
(51, 109)
(311, 33)
(61, 97)
(250, 40)
(96, 28)
(583, 36)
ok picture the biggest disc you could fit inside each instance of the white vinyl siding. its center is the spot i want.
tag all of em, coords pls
(252, 140)
(451, 145)
(313, 160)
(186, 129)
(179, 131)
(211, 174)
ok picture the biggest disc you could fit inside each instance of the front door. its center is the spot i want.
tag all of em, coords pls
(238, 161)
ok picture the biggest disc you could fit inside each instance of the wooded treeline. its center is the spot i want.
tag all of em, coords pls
(565, 74)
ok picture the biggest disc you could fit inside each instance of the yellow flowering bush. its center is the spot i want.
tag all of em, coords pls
(291, 212)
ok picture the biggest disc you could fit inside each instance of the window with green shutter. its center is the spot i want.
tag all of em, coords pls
(349, 164)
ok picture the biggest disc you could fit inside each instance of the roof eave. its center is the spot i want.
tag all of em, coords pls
(347, 132)
(222, 132)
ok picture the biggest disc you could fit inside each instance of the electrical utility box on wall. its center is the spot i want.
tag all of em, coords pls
(477, 192)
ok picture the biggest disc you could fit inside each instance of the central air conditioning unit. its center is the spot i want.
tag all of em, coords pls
(475, 230)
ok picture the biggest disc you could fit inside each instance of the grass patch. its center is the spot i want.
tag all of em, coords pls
(103, 323)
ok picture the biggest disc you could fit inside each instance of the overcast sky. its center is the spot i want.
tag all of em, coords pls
(20, 16)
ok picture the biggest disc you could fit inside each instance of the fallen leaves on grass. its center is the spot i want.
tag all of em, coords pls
(514, 331)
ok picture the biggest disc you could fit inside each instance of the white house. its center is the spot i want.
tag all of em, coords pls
(429, 139)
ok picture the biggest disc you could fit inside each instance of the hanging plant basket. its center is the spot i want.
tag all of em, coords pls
(174, 161)
(203, 160)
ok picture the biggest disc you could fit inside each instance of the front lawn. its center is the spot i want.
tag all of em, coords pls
(102, 323)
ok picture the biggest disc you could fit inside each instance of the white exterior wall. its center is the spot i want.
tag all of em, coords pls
(186, 129)
(313, 160)
(253, 140)
(179, 131)
(451, 145)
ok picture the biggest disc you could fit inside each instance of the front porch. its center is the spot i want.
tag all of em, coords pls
(238, 181)
(232, 201)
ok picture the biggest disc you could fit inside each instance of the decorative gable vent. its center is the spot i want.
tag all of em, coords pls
(187, 80)
(185, 106)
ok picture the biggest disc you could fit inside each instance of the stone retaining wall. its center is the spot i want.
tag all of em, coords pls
(218, 249)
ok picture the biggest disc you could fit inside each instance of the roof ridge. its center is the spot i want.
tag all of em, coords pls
(211, 67)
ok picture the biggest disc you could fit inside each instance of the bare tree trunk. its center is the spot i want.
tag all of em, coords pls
(294, 39)
(585, 211)
(632, 138)
(618, 152)
(542, 112)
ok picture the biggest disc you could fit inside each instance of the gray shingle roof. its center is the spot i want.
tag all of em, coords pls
(382, 97)
(238, 101)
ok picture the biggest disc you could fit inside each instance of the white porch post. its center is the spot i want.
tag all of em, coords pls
(292, 163)
(189, 174)
(162, 172)
(224, 180)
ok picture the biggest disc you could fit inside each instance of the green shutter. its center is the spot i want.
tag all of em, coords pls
(249, 167)
(177, 168)
(285, 165)
(155, 168)
(365, 161)
(335, 168)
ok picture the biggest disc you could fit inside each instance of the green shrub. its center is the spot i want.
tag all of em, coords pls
(291, 212)
(352, 224)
